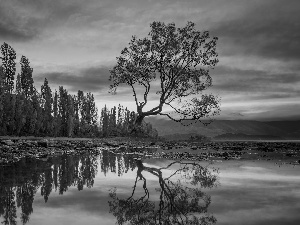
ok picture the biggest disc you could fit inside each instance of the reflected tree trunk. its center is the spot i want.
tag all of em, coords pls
(181, 199)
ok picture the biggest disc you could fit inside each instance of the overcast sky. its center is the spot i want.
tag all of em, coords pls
(74, 43)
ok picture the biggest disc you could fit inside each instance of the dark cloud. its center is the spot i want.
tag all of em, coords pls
(91, 79)
(13, 32)
(11, 27)
(252, 80)
(88, 79)
(268, 29)
(26, 20)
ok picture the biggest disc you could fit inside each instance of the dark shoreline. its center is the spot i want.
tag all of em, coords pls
(12, 149)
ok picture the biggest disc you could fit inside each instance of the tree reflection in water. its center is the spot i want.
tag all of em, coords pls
(20, 181)
(180, 202)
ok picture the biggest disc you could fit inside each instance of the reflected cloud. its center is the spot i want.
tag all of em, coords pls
(256, 188)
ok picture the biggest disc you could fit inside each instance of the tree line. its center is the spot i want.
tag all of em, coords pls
(25, 111)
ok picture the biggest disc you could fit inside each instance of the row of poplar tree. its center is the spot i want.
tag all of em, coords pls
(120, 122)
(26, 111)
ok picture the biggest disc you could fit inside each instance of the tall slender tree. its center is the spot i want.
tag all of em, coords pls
(63, 111)
(113, 122)
(8, 67)
(89, 114)
(70, 116)
(31, 98)
(8, 70)
(76, 115)
(56, 117)
(26, 78)
(20, 117)
(46, 95)
(104, 121)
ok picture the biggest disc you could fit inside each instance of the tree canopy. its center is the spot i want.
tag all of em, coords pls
(180, 59)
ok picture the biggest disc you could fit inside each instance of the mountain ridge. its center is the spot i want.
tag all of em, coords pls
(230, 129)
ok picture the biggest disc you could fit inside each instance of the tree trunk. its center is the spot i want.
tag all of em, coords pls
(139, 120)
(137, 129)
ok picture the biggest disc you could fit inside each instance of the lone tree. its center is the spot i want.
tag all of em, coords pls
(180, 59)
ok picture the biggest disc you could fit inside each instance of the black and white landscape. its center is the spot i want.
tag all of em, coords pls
(149, 112)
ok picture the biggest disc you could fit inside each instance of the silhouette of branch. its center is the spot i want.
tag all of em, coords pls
(177, 202)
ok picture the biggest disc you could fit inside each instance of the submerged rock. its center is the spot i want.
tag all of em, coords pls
(7, 142)
(43, 143)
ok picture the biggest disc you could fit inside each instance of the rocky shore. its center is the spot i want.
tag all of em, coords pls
(14, 149)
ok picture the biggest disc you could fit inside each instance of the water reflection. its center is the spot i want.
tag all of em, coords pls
(181, 201)
(21, 181)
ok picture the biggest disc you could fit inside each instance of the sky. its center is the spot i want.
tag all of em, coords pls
(74, 43)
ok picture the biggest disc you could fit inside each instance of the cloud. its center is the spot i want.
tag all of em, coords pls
(259, 108)
(277, 112)
(226, 78)
(93, 79)
(13, 32)
(258, 190)
(267, 29)
(13, 26)
(26, 20)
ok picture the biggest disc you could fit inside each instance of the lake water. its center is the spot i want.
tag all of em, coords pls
(103, 188)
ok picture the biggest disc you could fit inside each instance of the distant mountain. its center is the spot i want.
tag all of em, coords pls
(291, 128)
(229, 136)
(229, 129)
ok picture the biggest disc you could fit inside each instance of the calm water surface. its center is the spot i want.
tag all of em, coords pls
(97, 189)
